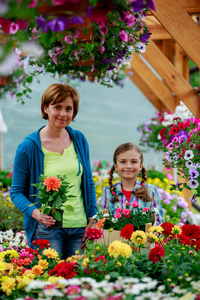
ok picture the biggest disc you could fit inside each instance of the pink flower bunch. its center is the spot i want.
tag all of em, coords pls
(94, 234)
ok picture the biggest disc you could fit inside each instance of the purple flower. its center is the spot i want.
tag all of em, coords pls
(76, 20)
(194, 198)
(57, 25)
(42, 23)
(193, 173)
(137, 5)
(193, 184)
(150, 4)
(182, 202)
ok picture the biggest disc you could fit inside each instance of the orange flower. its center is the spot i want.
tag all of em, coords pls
(37, 270)
(100, 223)
(52, 183)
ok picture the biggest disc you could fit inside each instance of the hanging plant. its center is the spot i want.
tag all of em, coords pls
(72, 47)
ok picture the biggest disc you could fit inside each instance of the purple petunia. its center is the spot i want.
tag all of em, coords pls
(194, 198)
(193, 173)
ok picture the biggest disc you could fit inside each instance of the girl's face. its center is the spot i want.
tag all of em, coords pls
(128, 164)
(60, 114)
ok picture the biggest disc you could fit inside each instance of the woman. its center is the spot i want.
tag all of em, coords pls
(56, 149)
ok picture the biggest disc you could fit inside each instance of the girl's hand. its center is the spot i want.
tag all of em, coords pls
(42, 218)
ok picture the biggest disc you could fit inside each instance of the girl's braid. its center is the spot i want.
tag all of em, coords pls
(112, 188)
(142, 192)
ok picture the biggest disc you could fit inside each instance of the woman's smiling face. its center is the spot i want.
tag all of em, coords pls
(128, 164)
(60, 114)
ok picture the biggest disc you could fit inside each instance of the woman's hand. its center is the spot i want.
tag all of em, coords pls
(42, 218)
(85, 238)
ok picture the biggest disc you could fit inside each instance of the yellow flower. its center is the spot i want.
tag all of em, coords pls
(22, 282)
(118, 248)
(2, 266)
(125, 250)
(29, 274)
(50, 253)
(37, 270)
(118, 264)
(158, 229)
(10, 253)
(153, 237)
(114, 248)
(138, 237)
(43, 263)
(176, 229)
(85, 262)
(8, 285)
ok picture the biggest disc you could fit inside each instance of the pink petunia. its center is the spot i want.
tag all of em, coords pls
(124, 36)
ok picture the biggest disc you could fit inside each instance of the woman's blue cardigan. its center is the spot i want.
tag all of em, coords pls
(29, 165)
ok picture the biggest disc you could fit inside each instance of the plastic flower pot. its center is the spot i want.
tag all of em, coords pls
(58, 224)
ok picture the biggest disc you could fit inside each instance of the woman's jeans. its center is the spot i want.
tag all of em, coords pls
(64, 240)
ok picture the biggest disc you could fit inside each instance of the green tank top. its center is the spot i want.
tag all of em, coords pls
(67, 164)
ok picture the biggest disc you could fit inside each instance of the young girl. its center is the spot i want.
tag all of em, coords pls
(128, 162)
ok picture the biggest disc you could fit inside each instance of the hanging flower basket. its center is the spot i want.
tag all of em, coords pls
(3, 81)
(69, 8)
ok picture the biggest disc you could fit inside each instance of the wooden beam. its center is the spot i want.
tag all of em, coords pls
(145, 89)
(190, 6)
(151, 80)
(168, 49)
(158, 32)
(181, 27)
(177, 83)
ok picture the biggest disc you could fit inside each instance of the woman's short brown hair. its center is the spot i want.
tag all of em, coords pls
(57, 93)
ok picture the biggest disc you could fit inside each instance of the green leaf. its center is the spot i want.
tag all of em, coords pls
(29, 79)
(57, 216)
(69, 208)
(47, 210)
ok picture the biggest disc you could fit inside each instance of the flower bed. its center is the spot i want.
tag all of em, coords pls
(123, 270)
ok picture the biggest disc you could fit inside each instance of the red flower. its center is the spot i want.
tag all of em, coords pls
(181, 126)
(162, 132)
(64, 269)
(198, 147)
(156, 253)
(100, 11)
(41, 243)
(127, 231)
(173, 130)
(167, 228)
(5, 23)
(94, 233)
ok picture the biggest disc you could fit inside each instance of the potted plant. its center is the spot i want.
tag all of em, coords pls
(140, 220)
(53, 193)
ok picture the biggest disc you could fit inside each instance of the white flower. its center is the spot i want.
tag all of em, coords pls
(193, 184)
(52, 292)
(106, 215)
(188, 154)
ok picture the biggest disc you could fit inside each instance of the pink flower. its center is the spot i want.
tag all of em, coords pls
(13, 28)
(32, 4)
(146, 209)
(118, 216)
(73, 289)
(101, 49)
(104, 29)
(124, 36)
(126, 211)
(118, 210)
(134, 204)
